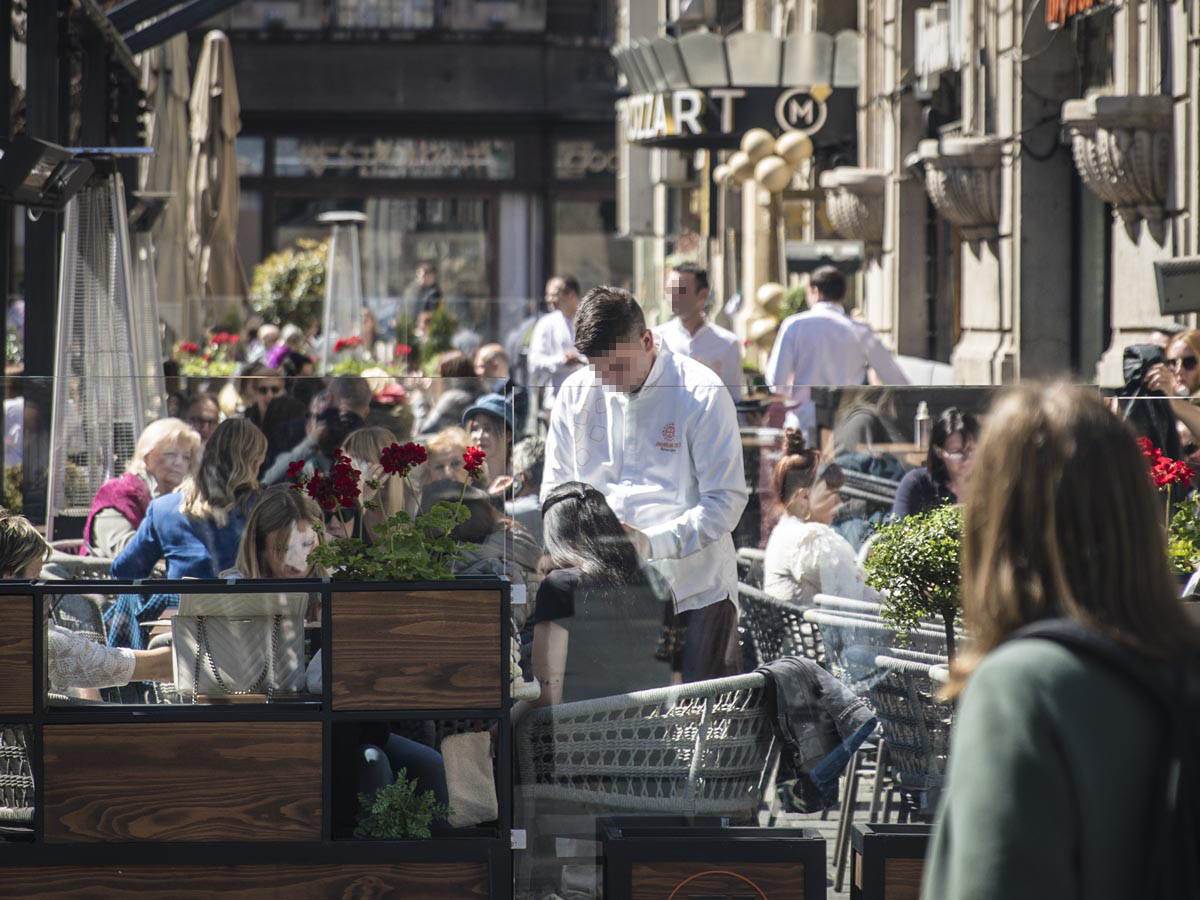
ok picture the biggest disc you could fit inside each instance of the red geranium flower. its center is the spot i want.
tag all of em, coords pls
(345, 343)
(403, 350)
(189, 347)
(322, 491)
(400, 459)
(295, 469)
(473, 459)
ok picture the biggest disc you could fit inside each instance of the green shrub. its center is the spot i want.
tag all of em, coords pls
(915, 563)
(397, 812)
(289, 286)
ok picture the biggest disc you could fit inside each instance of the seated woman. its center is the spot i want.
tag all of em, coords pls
(196, 530)
(495, 544)
(805, 556)
(598, 615)
(489, 420)
(947, 469)
(166, 453)
(364, 447)
(445, 463)
(73, 661)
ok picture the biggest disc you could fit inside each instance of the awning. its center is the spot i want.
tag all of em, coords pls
(129, 15)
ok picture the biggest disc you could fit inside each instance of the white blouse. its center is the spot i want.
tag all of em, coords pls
(73, 661)
(804, 559)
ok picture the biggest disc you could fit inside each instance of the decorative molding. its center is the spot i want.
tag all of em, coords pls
(855, 201)
(1122, 151)
(962, 179)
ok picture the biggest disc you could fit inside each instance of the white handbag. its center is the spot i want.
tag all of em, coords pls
(234, 644)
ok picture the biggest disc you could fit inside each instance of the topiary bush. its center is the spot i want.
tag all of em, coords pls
(915, 563)
(289, 286)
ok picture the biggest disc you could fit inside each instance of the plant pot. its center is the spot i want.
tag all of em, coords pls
(887, 861)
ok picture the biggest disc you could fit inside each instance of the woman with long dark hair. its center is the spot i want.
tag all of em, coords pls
(947, 470)
(1057, 758)
(598, 615)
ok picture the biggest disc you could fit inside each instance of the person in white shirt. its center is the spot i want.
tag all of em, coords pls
(690, 333)
(823, 346)
(552, 353)
(657, 433)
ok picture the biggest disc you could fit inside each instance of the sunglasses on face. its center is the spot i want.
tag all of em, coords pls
(265, 390)
(1187, 363)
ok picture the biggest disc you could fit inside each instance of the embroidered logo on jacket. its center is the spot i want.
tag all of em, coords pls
(668, 441)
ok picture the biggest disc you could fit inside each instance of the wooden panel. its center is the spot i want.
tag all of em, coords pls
(688, 880)
(16, 656)
(188, 781)
(412, 881)
(902, 879)
(421, 650)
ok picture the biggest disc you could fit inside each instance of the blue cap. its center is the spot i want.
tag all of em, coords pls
(493, 405)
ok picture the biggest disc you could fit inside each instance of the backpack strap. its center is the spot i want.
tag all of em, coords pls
(1174, 690)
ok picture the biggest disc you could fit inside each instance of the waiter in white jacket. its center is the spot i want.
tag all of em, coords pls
(657, 433)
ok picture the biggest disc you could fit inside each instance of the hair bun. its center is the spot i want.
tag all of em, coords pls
(793, 442)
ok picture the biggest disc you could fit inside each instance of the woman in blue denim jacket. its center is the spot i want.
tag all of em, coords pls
(196, 529)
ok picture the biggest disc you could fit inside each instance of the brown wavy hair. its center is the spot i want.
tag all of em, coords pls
(796, 469)
(228, 471)
(1065, 524)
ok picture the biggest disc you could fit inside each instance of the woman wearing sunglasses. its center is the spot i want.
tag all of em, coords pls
(1183, 359)
(805, 556)
(1178, 379)
(947, 470)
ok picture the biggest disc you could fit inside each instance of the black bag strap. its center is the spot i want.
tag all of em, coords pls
(1171, 870)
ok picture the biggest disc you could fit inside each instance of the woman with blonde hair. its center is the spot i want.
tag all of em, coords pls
(283, 528)
(197, 529)
(73, 661)
(1058, 756)
(364, 447)
(167, 452)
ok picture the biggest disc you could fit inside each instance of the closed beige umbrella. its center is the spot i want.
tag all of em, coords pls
(213, 194)
(165, 82)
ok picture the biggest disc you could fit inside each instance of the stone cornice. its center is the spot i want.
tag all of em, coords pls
(962, 179)
(855, 203)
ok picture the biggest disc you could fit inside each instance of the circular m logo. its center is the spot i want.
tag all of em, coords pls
(802, 109)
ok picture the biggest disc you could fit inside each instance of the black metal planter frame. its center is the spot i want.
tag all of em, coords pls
(488, 845)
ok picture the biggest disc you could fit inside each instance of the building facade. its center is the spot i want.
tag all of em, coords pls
(476, 135)
(1016, 174)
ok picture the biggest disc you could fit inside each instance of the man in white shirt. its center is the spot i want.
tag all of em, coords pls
(690, 333)
(657, 433)
(823, 346)
(552, 354)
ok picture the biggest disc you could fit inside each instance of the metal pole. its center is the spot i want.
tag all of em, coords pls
(6, 212)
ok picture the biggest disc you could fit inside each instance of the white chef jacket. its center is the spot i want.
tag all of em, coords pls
(824, 347)
(553, 336)
(669, 461)
(712, 345)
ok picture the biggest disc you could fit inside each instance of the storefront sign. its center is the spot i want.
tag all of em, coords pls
(488, 160)
(582, 160)
(717, 117)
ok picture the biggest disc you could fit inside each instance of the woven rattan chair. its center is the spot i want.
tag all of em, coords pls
(73, 566)
(701, 749)
(777, 628)
(751, 566)
(845, 604)
(916, 727)
(16, 779)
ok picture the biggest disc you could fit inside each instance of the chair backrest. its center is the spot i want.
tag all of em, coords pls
(693, 749)
(829, 601)
(16, 776)
(751, 566)
(73, 566)
(81, 614)
(915, 723)
(777, 628)
(852, 641)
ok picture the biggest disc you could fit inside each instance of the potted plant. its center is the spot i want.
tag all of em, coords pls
(915, 564)
(289, 286)
(398, 812)
(214, 359)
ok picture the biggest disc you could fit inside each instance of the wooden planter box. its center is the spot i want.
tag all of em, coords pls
(887, 861)
(240, 799)
(659, 858)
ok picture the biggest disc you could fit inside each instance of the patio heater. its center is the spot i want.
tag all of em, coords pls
(100, 403)
(343, 282)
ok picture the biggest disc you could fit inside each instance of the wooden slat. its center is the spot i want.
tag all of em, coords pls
(902, 879)
(420, 650)
(412, 881)
(687, 880)
(16, 656)
(189, 781)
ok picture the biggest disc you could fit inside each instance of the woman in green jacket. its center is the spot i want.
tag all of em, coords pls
(1054, 758)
